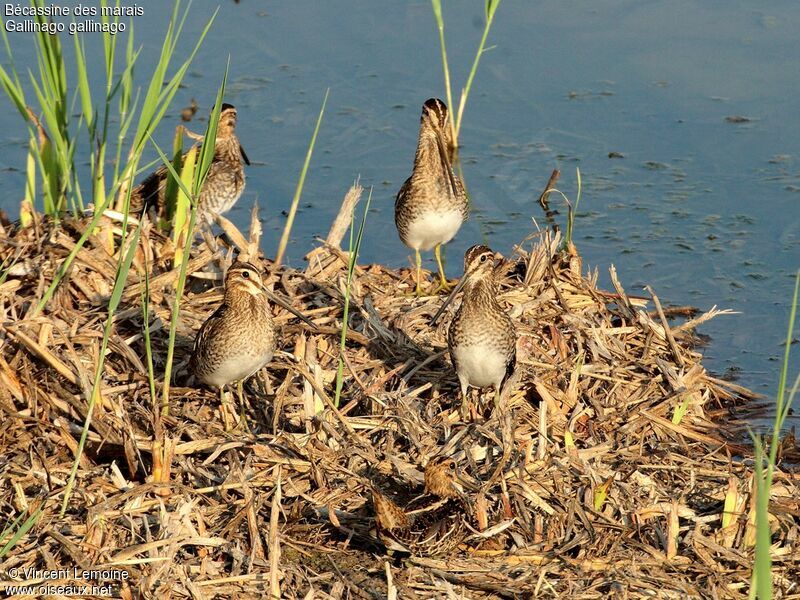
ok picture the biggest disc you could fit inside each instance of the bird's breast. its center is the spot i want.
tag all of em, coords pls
(425, 229)
(481, 362)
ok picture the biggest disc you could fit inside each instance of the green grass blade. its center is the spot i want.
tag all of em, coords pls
(572, 209)
(299, 190)
(14, 91)
(83, 86)
(762, 569)
(116, 295)
(171, 189)
(126, 79)
(206, 154)
(159, 95)
(19, 97)
(781, 405)
(761, 584)
(19, 528)
(491, 9)
(207, 150)
(681, 410)
(176, 176)
(183, 207)
(27, 209)
(148, 345)
(437, 13)
(148, 119)
(354, 248)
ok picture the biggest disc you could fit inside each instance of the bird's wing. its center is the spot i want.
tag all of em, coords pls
(150, 192)
(205, 331)
(400, 199)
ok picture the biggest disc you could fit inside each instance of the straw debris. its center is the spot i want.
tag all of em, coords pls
(614, 468)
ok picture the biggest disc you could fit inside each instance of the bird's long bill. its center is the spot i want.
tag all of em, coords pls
(449, 299)
(444, 155)
(285, 304)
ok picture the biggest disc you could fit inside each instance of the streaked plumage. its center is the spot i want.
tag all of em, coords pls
(430, 525)
(432, 204)
(239, 338)
(225, 181)
(481, 337)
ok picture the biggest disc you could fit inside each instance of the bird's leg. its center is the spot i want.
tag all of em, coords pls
(419, 273)
(418, 279)
(465, 404)
(498, 398)
(444, 285)
(223, 408)
(507, 432)
(268, 389)
(240, 394)
(497, 403)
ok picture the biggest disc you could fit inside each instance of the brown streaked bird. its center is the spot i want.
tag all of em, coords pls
(431, 524)
(239, 338)
(481, 338)
(432, 204)
(224, 183)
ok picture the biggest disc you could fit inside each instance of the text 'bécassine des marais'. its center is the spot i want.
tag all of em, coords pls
(26, 19)
(78, 10)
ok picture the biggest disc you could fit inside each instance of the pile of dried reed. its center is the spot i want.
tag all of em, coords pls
(613, 472)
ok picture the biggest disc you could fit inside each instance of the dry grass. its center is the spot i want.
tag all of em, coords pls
(587, 486)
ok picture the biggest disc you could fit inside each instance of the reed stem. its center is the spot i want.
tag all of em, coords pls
(287, 229)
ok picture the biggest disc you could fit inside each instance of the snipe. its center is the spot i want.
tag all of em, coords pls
(224, 183)
(432, 203)
(481, 337)
(431, 524)
(239, 338)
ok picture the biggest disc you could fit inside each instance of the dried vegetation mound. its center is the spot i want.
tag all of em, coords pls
(610, 470)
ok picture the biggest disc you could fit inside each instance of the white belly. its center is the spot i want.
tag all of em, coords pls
(429, 229)
(236, 369)
(480, 365)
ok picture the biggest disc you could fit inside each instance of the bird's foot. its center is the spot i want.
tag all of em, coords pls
(468, 411)
(229, 419)
(418, 292)
(444, 287)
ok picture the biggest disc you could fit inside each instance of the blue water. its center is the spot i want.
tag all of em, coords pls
(704, 210)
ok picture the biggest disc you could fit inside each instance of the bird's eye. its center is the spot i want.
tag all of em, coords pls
(452, 466)
(483, 258)
(246, 275)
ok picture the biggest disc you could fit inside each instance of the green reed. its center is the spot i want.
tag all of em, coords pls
(199, 170)
(572, 208)
(18, 528)
(287, 229)
(761, 584)
(148, 345)
(120, 281)
(354, 247)
(171, 190)
(52, 150)
(457, 116)
(54, 137)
